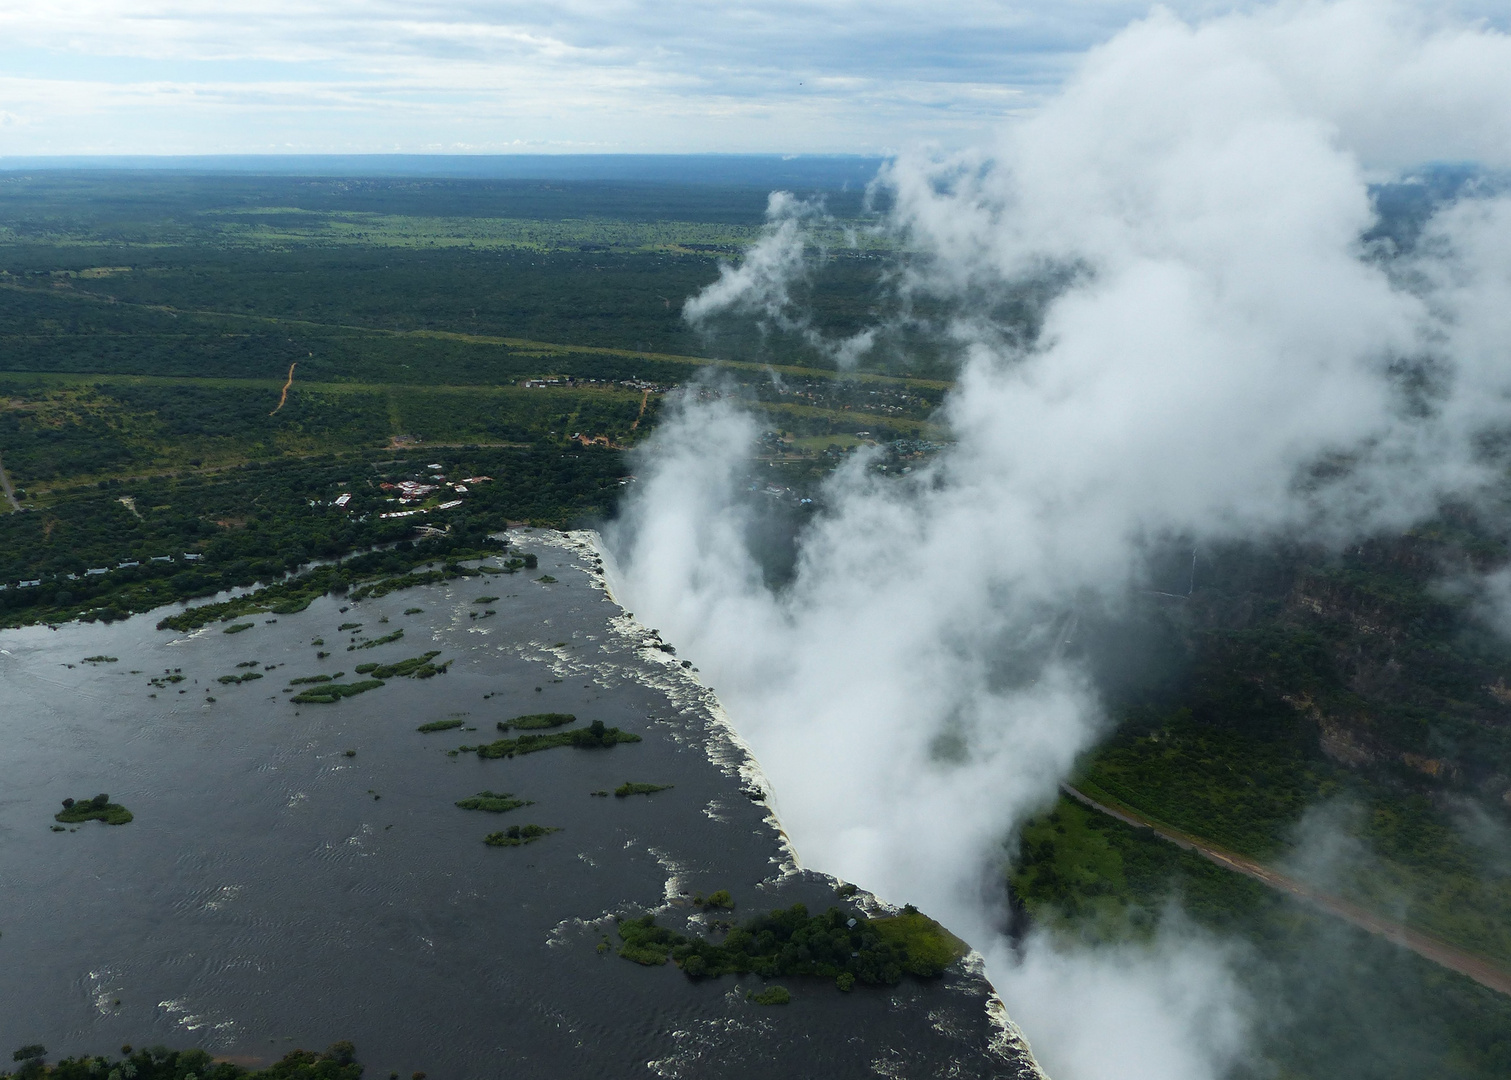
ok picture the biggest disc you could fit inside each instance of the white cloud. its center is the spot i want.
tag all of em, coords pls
(1223, 330)
(833, 75)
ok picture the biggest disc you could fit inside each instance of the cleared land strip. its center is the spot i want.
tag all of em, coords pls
(1424, 945)
(521, 345)
(7, 490)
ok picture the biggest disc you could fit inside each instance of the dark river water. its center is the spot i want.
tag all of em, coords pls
(273, 892)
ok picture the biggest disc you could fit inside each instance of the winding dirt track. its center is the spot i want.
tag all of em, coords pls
(1431, 948)
(285, 395)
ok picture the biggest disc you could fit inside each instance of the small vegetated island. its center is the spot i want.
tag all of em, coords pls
(593, 737)
(518, 835)
(494, 802)
(338, 1062)
(99, 808)
(416, 667)
(845, 946)
(246, 676)
(322, 691)
(329, 693)
(537, 721)
(375, 642)
(629, 787)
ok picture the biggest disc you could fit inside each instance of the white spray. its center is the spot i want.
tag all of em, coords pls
(1204, 191)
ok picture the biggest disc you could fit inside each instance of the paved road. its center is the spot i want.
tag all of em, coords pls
(6, 489)
(1424, 945)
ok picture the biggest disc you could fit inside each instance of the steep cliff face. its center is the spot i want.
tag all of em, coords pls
(1382, 655)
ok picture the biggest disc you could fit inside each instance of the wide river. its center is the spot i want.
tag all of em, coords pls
(276, 891)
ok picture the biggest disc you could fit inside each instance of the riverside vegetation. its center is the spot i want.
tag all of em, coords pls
(337, 1062)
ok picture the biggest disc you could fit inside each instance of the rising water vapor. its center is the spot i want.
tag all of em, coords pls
(1225, 353)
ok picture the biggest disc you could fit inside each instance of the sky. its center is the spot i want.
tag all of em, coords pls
(548, 76)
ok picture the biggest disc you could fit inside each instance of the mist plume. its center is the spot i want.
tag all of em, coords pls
(1225, 354)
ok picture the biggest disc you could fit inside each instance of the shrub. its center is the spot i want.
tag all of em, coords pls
(772, 995)
(627, 788)
(517, 835)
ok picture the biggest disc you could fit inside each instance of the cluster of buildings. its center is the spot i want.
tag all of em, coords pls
(569, 380)
(412, 491)
(100, 571)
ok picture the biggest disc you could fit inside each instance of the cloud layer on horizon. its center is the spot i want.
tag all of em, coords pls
(193, 77)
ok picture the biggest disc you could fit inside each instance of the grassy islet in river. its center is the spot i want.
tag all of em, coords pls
(840, 945)
(99, 808)
(518, 835)
(536, 721)
(329, 693)
(494, 802)
(629, 788)
(594, 736)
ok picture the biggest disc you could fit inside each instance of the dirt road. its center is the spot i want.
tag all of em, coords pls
(6, 489)
(1425, 945)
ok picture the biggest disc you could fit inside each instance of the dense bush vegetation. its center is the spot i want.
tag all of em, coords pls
(330, 693)
(259, 523)
(99, 808)
(494, 802)
(1332, 1002)
(629, 788)
(536, 721)
(338, 1062)
(791, 942)
(594, 736)
(517, 835)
